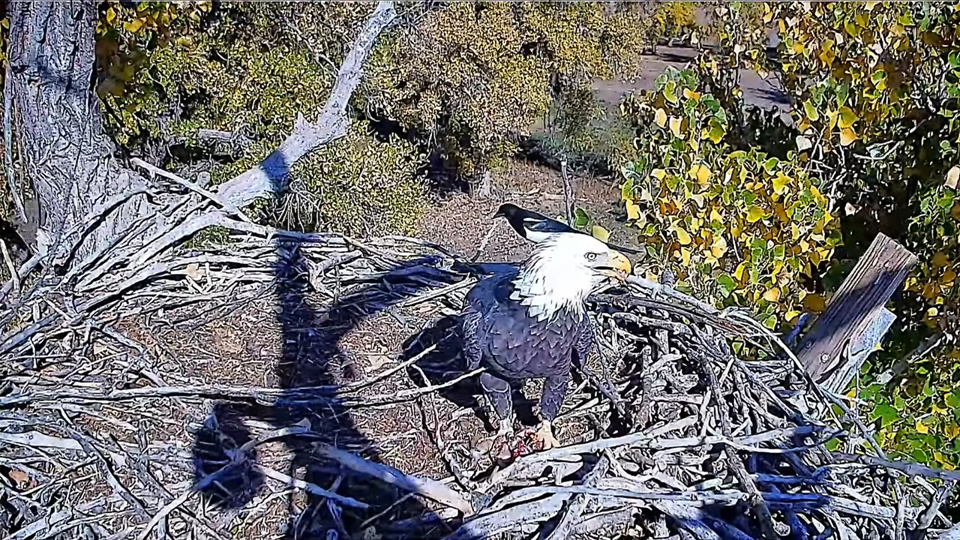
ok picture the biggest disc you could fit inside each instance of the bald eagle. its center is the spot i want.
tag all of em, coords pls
(529, 322)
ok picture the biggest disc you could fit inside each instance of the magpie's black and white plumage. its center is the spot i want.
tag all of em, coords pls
(531, 321)
(537, 227)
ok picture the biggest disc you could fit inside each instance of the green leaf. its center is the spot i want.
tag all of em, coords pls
(670, 92)
(716, 134)
(626, 190)
(953, 400)
(727, 285)
(600, 233)
(885, 413)
(580, 219)
(770, 164)
(811, 111)
(770, 322)
(755, 214)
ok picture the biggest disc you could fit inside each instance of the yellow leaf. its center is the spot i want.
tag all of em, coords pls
(633, 210)
(847, 117)
(685, 255)
(791, 315)
(921, 428)
(939, 260)
(780, 184)
(953, 176)
(738, 273)
(111, 15)
(794, 231)
(134, 25)
(715, 216)
(689, 94)
(600, 233)
(773, 295)
(675, 124)
(814, 302)
(952, 431)
(658, 173)
(660, 117)
(719, 247)
(700, 173)
(683, 236)
(847, 136)
(755, 214)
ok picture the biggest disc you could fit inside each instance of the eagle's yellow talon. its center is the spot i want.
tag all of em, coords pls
(545, 434)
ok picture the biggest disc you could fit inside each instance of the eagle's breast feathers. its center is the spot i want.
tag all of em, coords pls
(518, 339)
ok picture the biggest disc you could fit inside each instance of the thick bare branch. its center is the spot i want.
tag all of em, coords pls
(270, 176)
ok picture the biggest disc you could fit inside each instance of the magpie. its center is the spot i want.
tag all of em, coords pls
(537, 227)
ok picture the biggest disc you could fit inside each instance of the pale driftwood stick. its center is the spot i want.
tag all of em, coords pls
(270, 176)
(579, 503)
(932, 511)
(911, 469)
(424, 486)
(226, 205)
(14, 274)
(863, 293)
(953, 533)
(489, 525)
(386, 373)
(22, 272)
(569, 197)
(311, 488)
(263, 395)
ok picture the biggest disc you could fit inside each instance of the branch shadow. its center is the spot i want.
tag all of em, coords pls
(312, 357)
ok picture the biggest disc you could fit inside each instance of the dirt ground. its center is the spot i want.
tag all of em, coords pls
(466, 225)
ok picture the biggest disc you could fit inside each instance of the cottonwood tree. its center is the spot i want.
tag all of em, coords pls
(98, 213)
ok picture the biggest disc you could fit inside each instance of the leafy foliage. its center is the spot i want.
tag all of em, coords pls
(166, 75)
(876, 86)
(473, 79)
(743, 227)
(873, 147)
(672, 21)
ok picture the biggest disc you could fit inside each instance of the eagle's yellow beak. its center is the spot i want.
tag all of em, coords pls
(620, 265)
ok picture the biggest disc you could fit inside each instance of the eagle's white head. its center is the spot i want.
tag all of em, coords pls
(563, 270)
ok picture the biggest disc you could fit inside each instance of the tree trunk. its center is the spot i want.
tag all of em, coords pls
(58, 131)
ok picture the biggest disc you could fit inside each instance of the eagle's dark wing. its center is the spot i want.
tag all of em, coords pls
(511, 342)
(584, 344)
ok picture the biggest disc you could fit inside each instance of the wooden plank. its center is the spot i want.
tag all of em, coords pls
(855, 309)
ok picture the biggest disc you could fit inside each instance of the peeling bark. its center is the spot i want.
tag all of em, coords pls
(59, 133)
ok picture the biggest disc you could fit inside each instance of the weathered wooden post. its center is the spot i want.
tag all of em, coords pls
(855, 320)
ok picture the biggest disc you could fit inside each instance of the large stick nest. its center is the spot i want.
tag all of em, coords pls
(694, 423)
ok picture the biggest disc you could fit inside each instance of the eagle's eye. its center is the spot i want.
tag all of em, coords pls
(591, 257)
